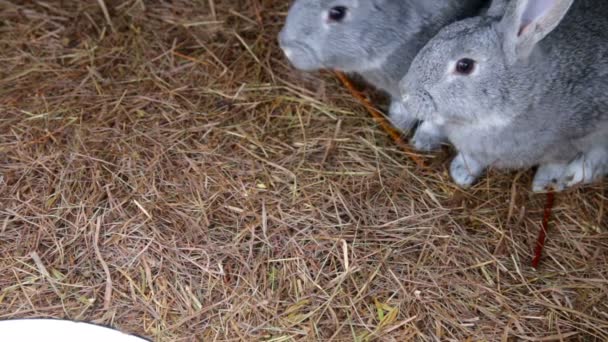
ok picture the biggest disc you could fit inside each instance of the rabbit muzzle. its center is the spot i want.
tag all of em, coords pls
(300, 54)
(419, 103)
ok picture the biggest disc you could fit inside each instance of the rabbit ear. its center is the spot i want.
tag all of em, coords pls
(526, 22)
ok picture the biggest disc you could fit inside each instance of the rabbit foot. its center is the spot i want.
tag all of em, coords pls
(428, 137)
(548, 176)
(586, 169)
(400, 117)
(465, 170)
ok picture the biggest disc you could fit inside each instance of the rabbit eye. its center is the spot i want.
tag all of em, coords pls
(337, 13)
(465, 66)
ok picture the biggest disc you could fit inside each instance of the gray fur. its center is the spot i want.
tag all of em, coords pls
(378, 40)
(538, 98)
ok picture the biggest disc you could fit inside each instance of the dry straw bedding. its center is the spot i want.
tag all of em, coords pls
(165, 171)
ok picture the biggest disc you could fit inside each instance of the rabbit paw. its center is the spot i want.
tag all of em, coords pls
(428, 137)
(400, 117)
(548, 177)
(465, 170)
(586, 169)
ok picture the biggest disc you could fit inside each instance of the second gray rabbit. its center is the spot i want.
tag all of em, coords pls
(377, 39)
(527, 89)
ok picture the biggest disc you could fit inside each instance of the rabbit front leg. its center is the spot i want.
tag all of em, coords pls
(465, 170)
(587, 168)
(548, 177)
(428, 137)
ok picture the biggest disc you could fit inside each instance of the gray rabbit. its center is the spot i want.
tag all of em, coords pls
(376, 39)
(527, 89)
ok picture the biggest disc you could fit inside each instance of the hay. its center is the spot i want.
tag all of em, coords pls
(173, 176)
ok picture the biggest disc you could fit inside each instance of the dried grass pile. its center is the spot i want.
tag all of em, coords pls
(165, 171)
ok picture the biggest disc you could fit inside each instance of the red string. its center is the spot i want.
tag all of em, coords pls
(542, 236)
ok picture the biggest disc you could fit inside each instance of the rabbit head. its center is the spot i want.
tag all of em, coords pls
(341, 34)
(474, 71)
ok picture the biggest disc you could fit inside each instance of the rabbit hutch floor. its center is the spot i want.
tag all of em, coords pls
(163, 170)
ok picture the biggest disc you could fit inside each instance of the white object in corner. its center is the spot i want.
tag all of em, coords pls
(55, 330)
